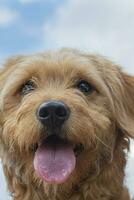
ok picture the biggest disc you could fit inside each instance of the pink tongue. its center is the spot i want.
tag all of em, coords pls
(54, 162)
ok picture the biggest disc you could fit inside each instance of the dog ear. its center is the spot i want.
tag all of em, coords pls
(7, 68)
(120, 91)
(5, 72)
(124, 104)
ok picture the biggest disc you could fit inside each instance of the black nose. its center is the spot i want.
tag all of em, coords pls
(53, 114)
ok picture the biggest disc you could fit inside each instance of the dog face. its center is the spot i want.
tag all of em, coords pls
(61, 111)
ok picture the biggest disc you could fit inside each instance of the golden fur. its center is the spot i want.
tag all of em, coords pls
(102, 121)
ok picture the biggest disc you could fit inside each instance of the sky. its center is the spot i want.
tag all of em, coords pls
(104, 27)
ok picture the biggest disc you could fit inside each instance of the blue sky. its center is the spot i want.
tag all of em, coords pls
(24, 31)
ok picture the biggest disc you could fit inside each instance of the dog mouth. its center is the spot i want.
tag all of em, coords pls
(55, 159)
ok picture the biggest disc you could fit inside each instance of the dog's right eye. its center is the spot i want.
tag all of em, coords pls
(27, 87)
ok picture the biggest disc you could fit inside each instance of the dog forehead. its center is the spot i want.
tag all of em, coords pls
(58, 59)
(52, 63)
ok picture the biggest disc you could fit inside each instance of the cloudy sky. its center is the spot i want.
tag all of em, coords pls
(105, 27)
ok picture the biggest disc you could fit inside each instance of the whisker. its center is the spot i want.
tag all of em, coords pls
(102, 142)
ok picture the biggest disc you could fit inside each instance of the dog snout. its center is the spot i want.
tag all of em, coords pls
(53, 114)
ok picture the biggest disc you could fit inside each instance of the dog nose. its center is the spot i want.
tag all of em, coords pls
(53, 114)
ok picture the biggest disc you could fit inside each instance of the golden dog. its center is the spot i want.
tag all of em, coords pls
(66, 118)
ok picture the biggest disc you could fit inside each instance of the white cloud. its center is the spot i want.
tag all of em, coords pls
(7, 17)
(130, 170)
(3, 187)
(105, 27)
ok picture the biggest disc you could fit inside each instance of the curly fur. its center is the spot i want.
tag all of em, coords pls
(102, 121)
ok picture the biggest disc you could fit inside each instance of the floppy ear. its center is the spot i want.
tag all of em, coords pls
(124, 105)
(120, 91)
(8, 67)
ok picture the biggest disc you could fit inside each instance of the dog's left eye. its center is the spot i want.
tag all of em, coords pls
(27, 87)
(85, 87)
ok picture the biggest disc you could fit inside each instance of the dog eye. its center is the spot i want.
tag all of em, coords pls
(85, 87)
(27, 87)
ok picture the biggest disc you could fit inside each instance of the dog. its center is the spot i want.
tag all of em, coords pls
(66, 118)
